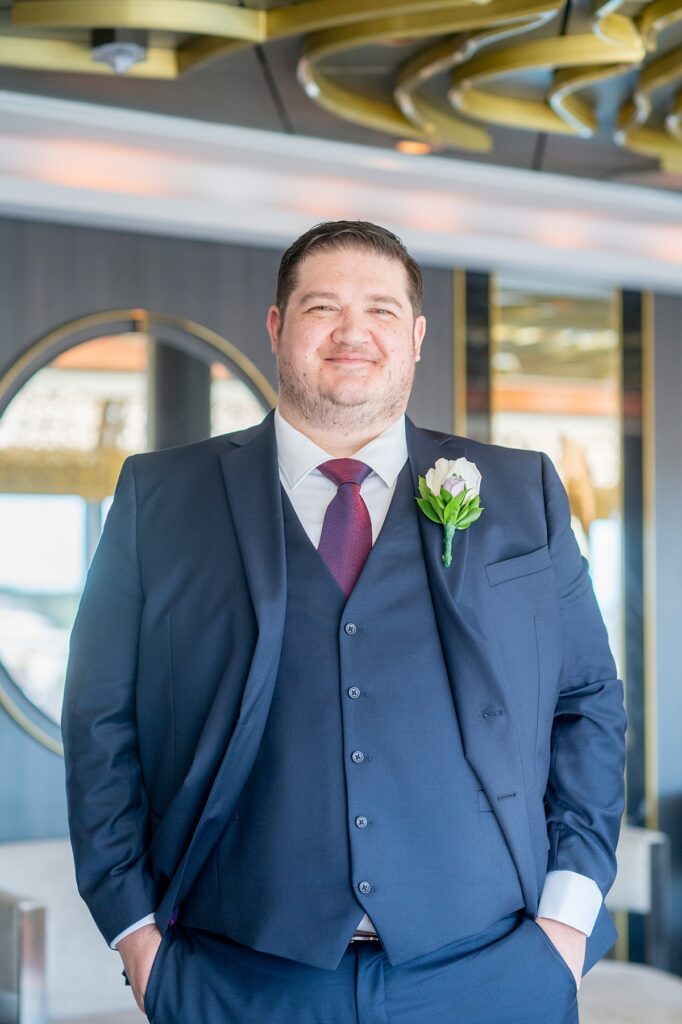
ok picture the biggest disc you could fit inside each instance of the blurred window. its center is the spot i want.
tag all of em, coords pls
(555, 387)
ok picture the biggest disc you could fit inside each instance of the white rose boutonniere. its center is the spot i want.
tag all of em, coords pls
(450, 495)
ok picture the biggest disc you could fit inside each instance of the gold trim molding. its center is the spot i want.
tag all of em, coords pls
(471, 40)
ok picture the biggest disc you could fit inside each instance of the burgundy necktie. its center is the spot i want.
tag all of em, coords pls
(346, 537)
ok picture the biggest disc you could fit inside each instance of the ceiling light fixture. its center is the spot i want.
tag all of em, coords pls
(119, 48)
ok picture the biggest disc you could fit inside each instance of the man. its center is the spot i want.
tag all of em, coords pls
(315, 774)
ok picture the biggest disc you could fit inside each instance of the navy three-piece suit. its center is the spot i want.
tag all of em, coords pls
(257, 758)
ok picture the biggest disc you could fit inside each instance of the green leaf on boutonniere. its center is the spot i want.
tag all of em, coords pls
(454, 500)
(427, 510)
(469, 518)
(437, 506)
(453, 507)
(423, 488)
(451, 513)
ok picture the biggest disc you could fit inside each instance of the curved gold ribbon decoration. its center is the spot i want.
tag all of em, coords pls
(656, 18)
(569, 106)
(611, 27)
(571, 52)
(633, 131)
(384, 115)
(508, 17)
(673, 122)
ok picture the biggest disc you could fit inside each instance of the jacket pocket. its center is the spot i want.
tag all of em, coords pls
(521, 565)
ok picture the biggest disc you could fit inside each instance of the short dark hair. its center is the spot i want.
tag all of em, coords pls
(348, 234)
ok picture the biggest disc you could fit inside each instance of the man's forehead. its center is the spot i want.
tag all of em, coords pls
(319, 263)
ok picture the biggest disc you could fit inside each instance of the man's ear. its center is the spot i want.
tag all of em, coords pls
(418, 335)
(273, 322)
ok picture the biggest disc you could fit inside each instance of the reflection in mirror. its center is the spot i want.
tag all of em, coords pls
(555, 387)
(63, 439)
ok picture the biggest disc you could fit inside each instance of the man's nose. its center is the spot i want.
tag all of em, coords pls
(352, 326)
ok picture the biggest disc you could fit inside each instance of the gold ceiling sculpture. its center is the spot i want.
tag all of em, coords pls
(485, 51)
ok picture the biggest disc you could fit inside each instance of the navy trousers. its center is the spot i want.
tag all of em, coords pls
(508, 974)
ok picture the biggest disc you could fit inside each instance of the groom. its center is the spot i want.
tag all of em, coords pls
(315, 775)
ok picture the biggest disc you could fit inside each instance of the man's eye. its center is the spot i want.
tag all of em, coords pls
(384, 312)
(323, 308)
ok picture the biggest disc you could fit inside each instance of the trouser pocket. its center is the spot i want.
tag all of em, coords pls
(151, 990)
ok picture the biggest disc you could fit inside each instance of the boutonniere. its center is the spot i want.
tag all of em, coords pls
(450, 495)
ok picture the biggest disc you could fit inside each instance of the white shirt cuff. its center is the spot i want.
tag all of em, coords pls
(149, 919)
(571, 898)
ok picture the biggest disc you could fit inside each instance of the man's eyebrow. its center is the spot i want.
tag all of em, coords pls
(386, 300)
(317, 295)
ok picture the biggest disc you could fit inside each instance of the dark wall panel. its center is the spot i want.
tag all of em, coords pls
(632, 384)
(432, 399)
(632, 365)
(666, 504)
(51, 274)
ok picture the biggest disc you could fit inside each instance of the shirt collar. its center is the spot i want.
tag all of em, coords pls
(298, 456)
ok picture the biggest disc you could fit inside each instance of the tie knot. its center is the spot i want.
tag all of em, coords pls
(345, 471)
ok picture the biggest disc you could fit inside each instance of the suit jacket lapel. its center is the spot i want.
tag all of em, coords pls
(475, 670)
(251, 476)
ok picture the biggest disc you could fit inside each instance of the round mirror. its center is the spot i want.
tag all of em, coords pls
(124, 383)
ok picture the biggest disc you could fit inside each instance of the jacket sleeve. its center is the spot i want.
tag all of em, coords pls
(585, 791)
(107, 802)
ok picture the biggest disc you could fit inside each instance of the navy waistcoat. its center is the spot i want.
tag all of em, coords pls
(360, 799)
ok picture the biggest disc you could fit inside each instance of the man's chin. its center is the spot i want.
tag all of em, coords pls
(349, 401)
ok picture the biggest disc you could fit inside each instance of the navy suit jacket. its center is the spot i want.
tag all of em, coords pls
(175, 649)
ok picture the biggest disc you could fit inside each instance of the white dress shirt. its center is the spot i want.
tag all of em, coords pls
(567, 896)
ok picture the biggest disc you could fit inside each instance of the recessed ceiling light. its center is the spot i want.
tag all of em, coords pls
(413, 147)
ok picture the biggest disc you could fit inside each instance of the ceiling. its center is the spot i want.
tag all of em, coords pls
(574, 91)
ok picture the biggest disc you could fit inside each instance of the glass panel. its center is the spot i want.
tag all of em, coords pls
(555, 387)
(42, 565)
(63, 439)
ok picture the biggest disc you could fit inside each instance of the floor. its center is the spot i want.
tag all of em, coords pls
(618, 993)
(109, 1018)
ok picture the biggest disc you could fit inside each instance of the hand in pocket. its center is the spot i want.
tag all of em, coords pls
(138, 951)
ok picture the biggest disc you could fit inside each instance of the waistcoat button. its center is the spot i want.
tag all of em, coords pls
(353, 692)
(364, 887)
(361, 821)
(350, 629)
(358, 756)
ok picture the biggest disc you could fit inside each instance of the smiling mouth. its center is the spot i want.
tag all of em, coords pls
(348, 359)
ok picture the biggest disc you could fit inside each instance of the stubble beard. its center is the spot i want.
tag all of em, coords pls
(328, 409)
